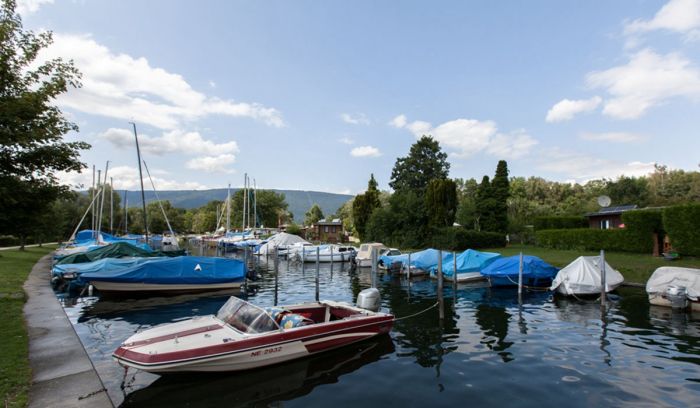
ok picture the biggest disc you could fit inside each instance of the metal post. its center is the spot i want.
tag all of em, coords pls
(331, 247)
(317, 272)
(111, 205)
(93, 199)
(408, 271)
(520, 280)
(441, 301)
(143, 195)
(99, 209)
(603, 293)
(277, 258)
(374, 267)
(454, 277)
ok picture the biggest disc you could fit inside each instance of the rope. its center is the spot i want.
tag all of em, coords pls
(416, 314)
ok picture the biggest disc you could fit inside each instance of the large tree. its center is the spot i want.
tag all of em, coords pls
(364, 205)
(424, 162)
(32, 149)
(314, 214)
(500, 192)
(441, 202)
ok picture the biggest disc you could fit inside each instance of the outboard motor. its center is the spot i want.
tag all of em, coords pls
(369, 299)
(676, 295)
(395, 267)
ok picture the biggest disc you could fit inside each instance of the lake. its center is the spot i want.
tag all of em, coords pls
(488, 351)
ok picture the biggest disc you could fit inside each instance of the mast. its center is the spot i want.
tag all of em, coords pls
(172, 234)
(228, 210)
(92, 214)
(126, 213)
(111, 205)
(143, 195)
(244, 200)
(102, 205)
(97, 214)
(255, 194)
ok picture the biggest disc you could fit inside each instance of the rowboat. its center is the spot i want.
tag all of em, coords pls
(242, 336)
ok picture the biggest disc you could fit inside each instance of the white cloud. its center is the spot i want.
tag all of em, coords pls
(175, 141)
(566, 109)
(212, 164)
(399, 121)
(648, 80)
(124, 87)
(510, 146)
(212, 84)
(346, 141)
(366, 151)
(584, 167)
(127, 178)
(361, 119)
(681, 16)
(619, 137)
(25, 7)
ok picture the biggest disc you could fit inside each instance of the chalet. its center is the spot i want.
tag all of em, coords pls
(328, 231)
(609, 217)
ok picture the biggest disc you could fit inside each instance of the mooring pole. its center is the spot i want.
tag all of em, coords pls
(520, 280)
(374, 267)
(331, 256)
(276, 262)
(408, 271)
(454, 277)
(441, 299)
(603, 293)
(318, 257)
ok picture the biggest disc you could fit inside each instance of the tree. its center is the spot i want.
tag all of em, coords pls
(293, 228)
(32, 149)
(629, 191)
(500, 193)
(364, 205)
(313, 215)
(441, 202)
(424, 162)
(485, 207)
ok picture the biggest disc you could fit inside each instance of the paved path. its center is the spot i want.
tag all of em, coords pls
(27, 246)
(62, 370)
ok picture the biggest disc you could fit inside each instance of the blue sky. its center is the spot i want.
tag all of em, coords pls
(316, 95)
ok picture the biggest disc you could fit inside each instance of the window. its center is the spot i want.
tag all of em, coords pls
(333, 229)
(326, 228)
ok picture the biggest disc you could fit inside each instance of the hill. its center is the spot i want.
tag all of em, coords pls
(299, 201)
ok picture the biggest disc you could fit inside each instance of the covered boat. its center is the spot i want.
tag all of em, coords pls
(242, 336)
(421, 262)
(364, 255)
(331, 253)
(117, 250)
(67, 273)
(582, 277)
(687, 278)
(506, 271)
(470, 263)
(282, 239)
(187, 273)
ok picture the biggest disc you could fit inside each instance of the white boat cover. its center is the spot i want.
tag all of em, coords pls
(671, 275)
(279, 240)
(582, 277)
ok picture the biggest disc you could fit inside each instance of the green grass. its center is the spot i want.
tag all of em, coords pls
(15, 374)
(635, 268)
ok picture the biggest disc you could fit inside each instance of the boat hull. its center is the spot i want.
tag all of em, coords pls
(339, 257)
(660, 300)
(462, 277)
(149, 287)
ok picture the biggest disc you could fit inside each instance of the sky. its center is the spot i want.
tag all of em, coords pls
(318, 95)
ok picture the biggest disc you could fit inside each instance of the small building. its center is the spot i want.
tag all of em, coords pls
(329, 231)
(610, 217)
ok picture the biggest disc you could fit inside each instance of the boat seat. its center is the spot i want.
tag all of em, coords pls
(291, 320)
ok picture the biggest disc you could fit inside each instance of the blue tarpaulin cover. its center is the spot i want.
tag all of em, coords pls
(103, 265)
(533, 268)
(422, 260)
(468, 261)
(191, 270)
(87, 237)
(117, 250)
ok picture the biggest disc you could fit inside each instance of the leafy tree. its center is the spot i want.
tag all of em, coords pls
(313, 215)
(411, 216)
(424, 162)
(32, 149)
(486, 207)
(293, 228)
(441, 202)
(500, 193)
(271, 208)
(364, 205)
(628, 191)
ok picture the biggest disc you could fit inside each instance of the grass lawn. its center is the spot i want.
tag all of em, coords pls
(15, 373)
(634, 267)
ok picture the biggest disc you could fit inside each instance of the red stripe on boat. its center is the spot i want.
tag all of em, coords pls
(172, 336)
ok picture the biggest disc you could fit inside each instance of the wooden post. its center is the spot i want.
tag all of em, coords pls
(276, 263)
(520, 280)
(441, 301)
(331, 247)
(603, 293)
(454, 277)
(408, 272)
(317, 271)
(374, 267)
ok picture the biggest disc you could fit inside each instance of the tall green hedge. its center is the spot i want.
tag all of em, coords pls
(682, 224)
(583, 239)
(640, 226)
(560, 222)
(461, 239)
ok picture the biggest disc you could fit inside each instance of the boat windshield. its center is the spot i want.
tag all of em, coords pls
(245, 317)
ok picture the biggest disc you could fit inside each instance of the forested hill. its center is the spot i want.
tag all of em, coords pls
(299, 201)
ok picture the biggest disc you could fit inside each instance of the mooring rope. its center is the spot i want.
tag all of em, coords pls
(416, 314)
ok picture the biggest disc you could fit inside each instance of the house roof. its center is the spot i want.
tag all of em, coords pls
(336, 221)
(619, 210)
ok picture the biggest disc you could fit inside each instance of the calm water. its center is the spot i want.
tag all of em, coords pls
(487, 352)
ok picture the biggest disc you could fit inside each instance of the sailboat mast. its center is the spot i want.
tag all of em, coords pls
(126, 213)
(228, 210)
(143, 195)
(92, 215)
(102, 205)
(255, 195)
(111, 206)
(244, 201)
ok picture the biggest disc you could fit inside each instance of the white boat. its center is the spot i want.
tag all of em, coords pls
(662, 278)
(364, 255)
(286, 250)
(336, 253)
(242, 336)
(582, 277)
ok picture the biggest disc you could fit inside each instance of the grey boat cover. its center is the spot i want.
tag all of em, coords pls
(582, 277)
(280, 239)
(671, 275)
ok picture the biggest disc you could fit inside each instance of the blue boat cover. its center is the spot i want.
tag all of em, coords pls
(533, 268)
(468, 261)
(422, 260)
(117, 250)
(191, 270)
(103, 265)
(86, 237)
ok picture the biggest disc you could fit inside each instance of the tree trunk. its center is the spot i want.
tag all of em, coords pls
(21, 242)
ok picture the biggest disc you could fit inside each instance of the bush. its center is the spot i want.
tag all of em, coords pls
(681, 224)
(293, 229)
(560, 222)
(460, 239)
(641, 226)
(584, 239)
(6, 241)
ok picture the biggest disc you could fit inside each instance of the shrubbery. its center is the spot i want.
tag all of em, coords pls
(560, 222)
(584, 239)
(460, 239)
(682, 226)
(640, 226)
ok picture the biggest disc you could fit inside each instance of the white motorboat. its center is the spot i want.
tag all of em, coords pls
(582, 277)
(335, 253)
(364, 255)
(669, 282)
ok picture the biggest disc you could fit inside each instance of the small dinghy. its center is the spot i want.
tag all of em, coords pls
(674, 287)
(242, 336)
(582, 277)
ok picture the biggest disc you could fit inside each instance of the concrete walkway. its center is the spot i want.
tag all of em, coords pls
(28, 246)
(63, 375)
